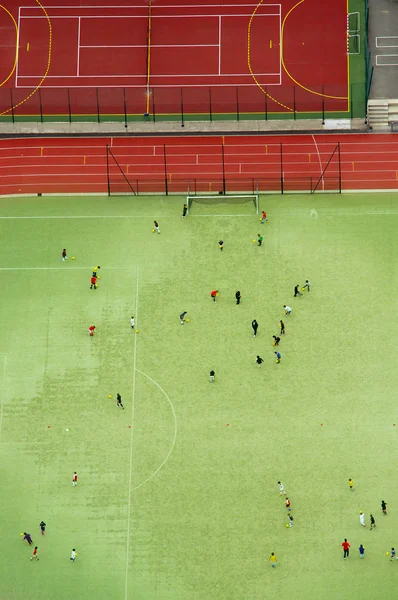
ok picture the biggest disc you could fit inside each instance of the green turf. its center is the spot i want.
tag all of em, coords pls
(181, 506)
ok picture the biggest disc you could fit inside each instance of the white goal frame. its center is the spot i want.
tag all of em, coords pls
(212, 199)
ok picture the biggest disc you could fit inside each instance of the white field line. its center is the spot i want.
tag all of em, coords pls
(128, 533)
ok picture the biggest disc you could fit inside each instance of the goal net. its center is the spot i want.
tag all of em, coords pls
(214, 199)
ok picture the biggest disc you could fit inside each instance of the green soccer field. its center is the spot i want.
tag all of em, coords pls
(177, 496)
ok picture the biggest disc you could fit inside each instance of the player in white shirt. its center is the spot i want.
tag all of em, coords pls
(281, 489)
(362, 519)
(288, 310)
(132, 322)
(73, 555)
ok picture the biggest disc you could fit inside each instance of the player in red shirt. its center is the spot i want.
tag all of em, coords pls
(64, 257)
(213, 294)
(346, 548)
(74, 478)
(93, 282)
(264, 217)
(34, 555)
(91, 330)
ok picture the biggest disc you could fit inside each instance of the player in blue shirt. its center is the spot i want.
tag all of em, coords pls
(278, 357)
(361, 551)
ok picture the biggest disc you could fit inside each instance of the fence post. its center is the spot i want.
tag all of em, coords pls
(153, 105)
(266, 104)
(166, 183)
(41, 106)
(339, 160)
(351, 103)
(69, 110)
(182, 109)
(323, 104)
(98, 108)
(281, 167)
(237, 103)
(210, 106)
(12, 107)
(294, 102)
(107, 171)
(125, 107)
(223, 168)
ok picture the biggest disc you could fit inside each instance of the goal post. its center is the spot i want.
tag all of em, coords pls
(212, 199)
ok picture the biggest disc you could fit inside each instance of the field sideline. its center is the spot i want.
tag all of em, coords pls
(177, 496)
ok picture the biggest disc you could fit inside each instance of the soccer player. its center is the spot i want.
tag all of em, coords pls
(362, 519)
(260, 239)
(255, 327)
(259, 361)
(264, 217)
(28, 538)
(119, 401)
(282, 326)
(74, 479)
(182, 317)
(213, 294)
(42, 527)
(93, 282)
(132, 322)
(272, 560)
(288, 310)
(384, 507)
(297, 291)
(372, 522)
(238, 296)
(361, 551)
(307, 285)
(73, 555)
(95, 269)
(221, 245)
(212, 376)
(91, 330)
(64, 257)
(156, 226)
(351, 484)
(281, 489)
(34, 555)
(184, 211)
(287, 504)
(276, 340)
(290, 520)
(278, 357)
(392, 554)
(346, 548)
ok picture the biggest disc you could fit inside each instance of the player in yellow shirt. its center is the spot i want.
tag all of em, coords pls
(351, 484)
(272, 560)
(95, 269)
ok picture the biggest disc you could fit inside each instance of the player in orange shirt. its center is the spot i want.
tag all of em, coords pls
(213, 294)
(91, 330)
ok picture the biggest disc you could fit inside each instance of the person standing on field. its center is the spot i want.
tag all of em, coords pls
(278, 357)
(91, 330)
(221, 245)
(276, 340)
(281, 489)
(361, 551)
(156, 226)
(73, 555)
(64, 257)
(254, 327)
(184, 211)
(42, 527)
(362, 519)
(212, 376)
(282, 326)
(264, 217)
(384, 507)
(132, 322)
(119, 401)
(307, 285)
(238, 297)
(74, 479)
(287, 504)
(28, 538)
(214, 295)
(259, 240)
(346, 548)
(351, 484)
(272, 560)
(372, 522)
(259, 361)
(297, 291)
(34, 555)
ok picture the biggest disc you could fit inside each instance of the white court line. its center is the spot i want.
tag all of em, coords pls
(320, 162)
(174, 437)
(78, 48)
(219, 44)
(157, 46)
(107, 6)
(131, 445)
(2, 394)
(280, 46)
(17, 57)
(140, 76)
(246, 15)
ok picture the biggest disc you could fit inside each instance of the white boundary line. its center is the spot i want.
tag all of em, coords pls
(215, 16)
(128, 533)
(2, 394)
(110, 6)
(386, 37)
(174, 437)
(156, 46)
(386, 64)
(78, 48)
(280, 44)
(219, 44)
(19, 29)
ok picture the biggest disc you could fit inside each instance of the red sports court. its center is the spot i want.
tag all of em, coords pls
(152, 56)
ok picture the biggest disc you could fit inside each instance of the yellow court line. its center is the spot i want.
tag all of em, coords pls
(249, 60)
(286, 70)
(48, 61)
(16, 45)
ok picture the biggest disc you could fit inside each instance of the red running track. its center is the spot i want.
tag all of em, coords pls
(78, 165)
